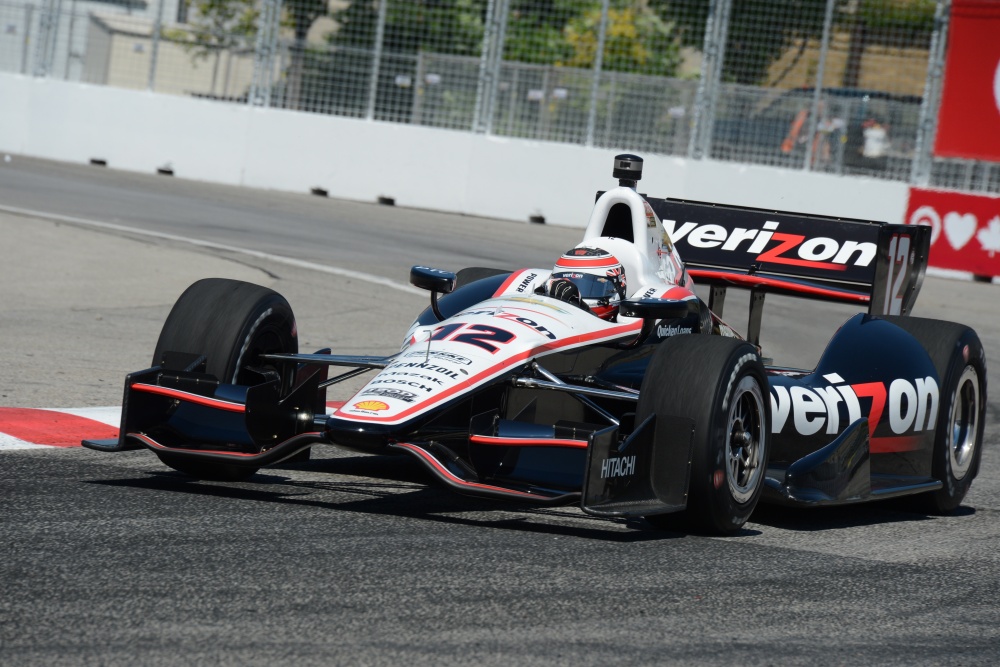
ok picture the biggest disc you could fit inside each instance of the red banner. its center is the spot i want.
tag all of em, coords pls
(965, 228)
(969, 118)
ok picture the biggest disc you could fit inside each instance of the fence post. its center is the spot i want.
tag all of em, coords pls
(602, 32)
(263, 55)
(48, 27)
(383, 6)
(490, 62)
(714, 50)
(29, 11)
(154, 49)
(494, 83)
(484, 66)
(920, 170)
(818, 90)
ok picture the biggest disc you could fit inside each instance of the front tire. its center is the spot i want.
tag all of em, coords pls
(232, 323)
(957, 355)
(719, 383)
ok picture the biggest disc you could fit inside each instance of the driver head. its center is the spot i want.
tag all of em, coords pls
(598, 276)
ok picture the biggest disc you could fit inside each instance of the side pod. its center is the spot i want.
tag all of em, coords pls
(837, 473)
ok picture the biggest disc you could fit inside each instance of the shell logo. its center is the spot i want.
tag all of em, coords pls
(374, 406)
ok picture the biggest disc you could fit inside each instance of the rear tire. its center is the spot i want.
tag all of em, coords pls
(232, 323)
(720, 383)
(958, 357)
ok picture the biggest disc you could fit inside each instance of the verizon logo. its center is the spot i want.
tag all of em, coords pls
(770, 245)
(912, 405)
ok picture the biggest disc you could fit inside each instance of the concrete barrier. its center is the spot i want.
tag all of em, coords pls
(417, 166)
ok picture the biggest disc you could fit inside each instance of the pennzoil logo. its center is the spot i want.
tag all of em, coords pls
(373, 406)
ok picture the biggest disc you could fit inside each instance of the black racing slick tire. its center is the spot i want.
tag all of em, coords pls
(958, 356)
(721, 385)
(232, 323)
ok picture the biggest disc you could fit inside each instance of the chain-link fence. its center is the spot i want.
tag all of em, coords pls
(837, 86)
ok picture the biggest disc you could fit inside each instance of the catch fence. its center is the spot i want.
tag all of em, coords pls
(834, 86)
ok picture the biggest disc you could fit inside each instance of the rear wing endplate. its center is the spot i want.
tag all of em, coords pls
(834, 259)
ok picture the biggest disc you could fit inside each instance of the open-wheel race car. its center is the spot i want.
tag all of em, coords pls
(604, 380)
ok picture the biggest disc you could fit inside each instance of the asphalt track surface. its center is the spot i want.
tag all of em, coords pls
(349, 559)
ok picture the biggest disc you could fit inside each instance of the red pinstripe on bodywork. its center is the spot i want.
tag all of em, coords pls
(189, 397)
(528, 442)
(458, 480)
(756, 280)
(567, 343)
(153, 444)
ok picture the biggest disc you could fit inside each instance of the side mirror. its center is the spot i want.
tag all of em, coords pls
(658, 309)
(435, 280)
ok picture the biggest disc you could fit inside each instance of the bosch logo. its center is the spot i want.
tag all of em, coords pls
(791, 249)
(405, 383)
(912, 405)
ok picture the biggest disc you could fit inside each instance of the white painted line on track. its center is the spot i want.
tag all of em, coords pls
(9, 442)
(278, 259)
(112, 416)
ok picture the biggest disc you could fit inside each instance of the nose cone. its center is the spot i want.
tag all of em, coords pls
(359, 435)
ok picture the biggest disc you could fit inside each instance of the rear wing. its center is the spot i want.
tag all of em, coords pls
(833, 259)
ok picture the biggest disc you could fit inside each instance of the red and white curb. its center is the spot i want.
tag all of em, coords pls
(33, 428)
(48, 428)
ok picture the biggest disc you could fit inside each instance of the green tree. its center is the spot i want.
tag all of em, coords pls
(637, 40)
(760, 31)
(442, 26)
(216, 26)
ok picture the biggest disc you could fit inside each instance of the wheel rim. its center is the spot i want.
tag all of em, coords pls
(964, 423)
(745, 450)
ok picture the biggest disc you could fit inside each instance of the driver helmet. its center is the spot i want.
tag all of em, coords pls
(597, 274)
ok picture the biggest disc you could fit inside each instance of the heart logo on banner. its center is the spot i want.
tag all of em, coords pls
(926, 215)
(996, 86)
(959, 229)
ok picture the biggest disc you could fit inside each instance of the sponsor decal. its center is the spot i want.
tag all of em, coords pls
(623, 466)
(535, 302)
(664, 331)
(443, 356)
(527, 281)
(428, 378)
(415, 384)
(430, 368)
(531, 324)
(484, 336)
(371, 406)
(792, 249)
(650, 216)
(912, 405)
(389, 392)
(965, 229)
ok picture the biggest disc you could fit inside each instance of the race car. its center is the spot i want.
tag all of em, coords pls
(604, 380)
